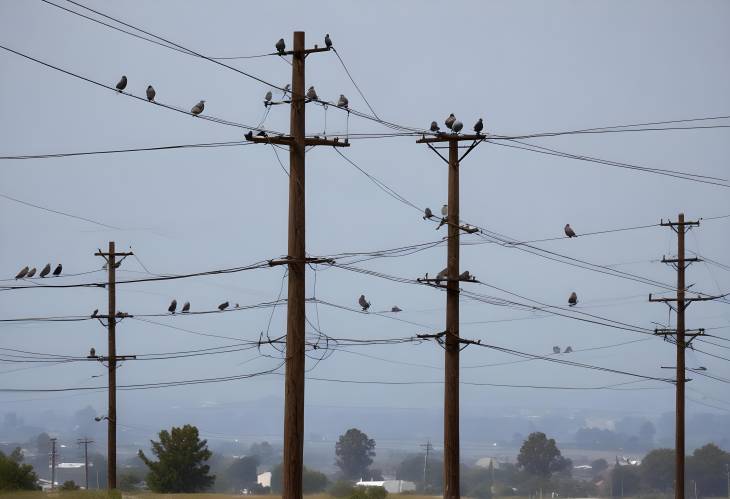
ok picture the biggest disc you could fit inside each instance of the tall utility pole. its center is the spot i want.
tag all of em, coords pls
(428, 448)
(111, 317)
(453, 341)
(85, 442)
(53, 463)
(296, 259)
(681, 334)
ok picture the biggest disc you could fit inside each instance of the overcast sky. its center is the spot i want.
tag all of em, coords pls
(523, 67)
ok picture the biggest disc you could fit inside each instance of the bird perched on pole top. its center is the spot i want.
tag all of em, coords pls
(94, 313)
(343, 102)
(268, 97)
(434, 127)
(427, 213)
(328, 41)
(46, 270)
(450, 121)
(172, 307)
(363, 303)
(92, 352)
(556, 349)
(457, 126)
(311, 93)
(280, 46)
(568, 349)
(57, 271)
(479, 126)
(22, 272)
(31, 272)
(223, 306)
(396, 309)
(122, 83)
(573, 299)
(151, 93)
(186, 308)
(198, 108)
(569, 231)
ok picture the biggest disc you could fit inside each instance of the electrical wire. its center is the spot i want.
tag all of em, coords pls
(58, 212)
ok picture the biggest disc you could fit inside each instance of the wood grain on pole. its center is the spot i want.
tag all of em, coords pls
(112, 415)
(681, 372)
(294, 379)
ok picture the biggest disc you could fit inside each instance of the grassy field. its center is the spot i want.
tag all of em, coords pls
(81, 494)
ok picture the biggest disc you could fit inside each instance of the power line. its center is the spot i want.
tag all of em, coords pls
(57, 212)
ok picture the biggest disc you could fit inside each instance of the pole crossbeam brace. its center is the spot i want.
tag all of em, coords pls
(680, 223)
(306, 51)
(286, 140)
(686, 300)
(102, 358)
(453, 137)
(687, 332)
(287, 261)
(676, 260)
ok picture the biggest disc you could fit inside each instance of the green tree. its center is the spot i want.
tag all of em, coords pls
(16, 476)
(179, 467)
(625, 480)
(657, 470)
(354, 451)
(68, 485)
(541, 457)
(707, 466)
(17, 455)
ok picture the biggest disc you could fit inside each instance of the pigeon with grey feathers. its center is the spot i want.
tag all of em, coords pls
(122, 83)
(328, 41)
(435, 127)
(46, 270)
(151, 93)
(450, 121)
(223, 306)
(573, 299)
(198, 108)
(57, 271)
(569, 231)
(186, 308)
(23, 272)
(363, 303)
(457, 126)
(427, 213)
(172, 307)
(311, 93)
(479, 126)
(31, 272)
(280, 46)
(343, 102)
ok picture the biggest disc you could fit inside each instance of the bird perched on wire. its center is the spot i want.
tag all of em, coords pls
(569, 231)
(568, 349)
(198, 108)
(396, 309)
(465, 276)
(94, 313)
(343, 102)
(31, 272)
(122, 83)
(23, 272)
(57, 271)
(328, 41)
(280, 46)
(92, 352)
(441, 276)
(427, 213)
(151, 93)
(223, 306)
(262, 134)
(249, 135)
(172, 307)
(363, 303)
(479, 126)
(434, 127)
(450, 121)
(573, 299)
(556, 349)
(45, 271)
(311, 93)
(457, 126)
(267, 98)
(186, 308)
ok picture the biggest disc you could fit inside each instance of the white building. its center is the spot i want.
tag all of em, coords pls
(392, 486)
(264, 479)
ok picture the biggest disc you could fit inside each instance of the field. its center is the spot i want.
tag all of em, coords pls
(149, 495)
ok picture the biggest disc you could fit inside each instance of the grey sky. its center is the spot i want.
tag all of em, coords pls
(522, 66)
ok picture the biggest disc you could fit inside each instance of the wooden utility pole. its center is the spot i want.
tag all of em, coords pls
(293, 459)
(453, 341)
(53, 463)
(112, 358)
(85, 442)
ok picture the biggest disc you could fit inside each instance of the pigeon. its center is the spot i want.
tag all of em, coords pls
(280, 46)
(151, 93)
(343, 102)
(94, 313)
(396, 309)
(22, 272)
(46, 270)
(568, 349)
(92, 352)
(172, 307)
(261, 134)
(363, 303)
(311, 94)
(198, 108)
(122, 83)
(328, 41)
(573, 299)
(479, 126)
(427, 213)
(122, 315)
(465, 276)
(57, 271)
(556, 349)
(569, 231)
(249, 135)
(450, 121)
(31, 272)
(223, 306)
(268, 97)
(445, 210)
(237, 306)
(186, 308)
(441, 276)
(457, 126)
(435, 127)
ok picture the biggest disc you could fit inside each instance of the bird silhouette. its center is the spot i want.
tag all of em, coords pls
(396, 309)
(479, 126)
(450, 121)
(328, 41)
(94, 313)
(172, 307)
(22, 272)
(198, 108)
(441, 276)
(434, 127)
(343, 102)
(92, 352)
(573, 299)
(223, 306)
(568, 349)
(151, 93)
(457, 126)
(122, 83)
(280, 46)
(311, 93)
(268, 97)
(186, 308)
(556, 349)
(427, 213)
(569, 231)
(465, 276)
(57, 271)
(45, 271)
(31, 272)
(363, 303)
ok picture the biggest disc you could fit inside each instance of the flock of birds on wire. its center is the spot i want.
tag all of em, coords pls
(28, 272)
